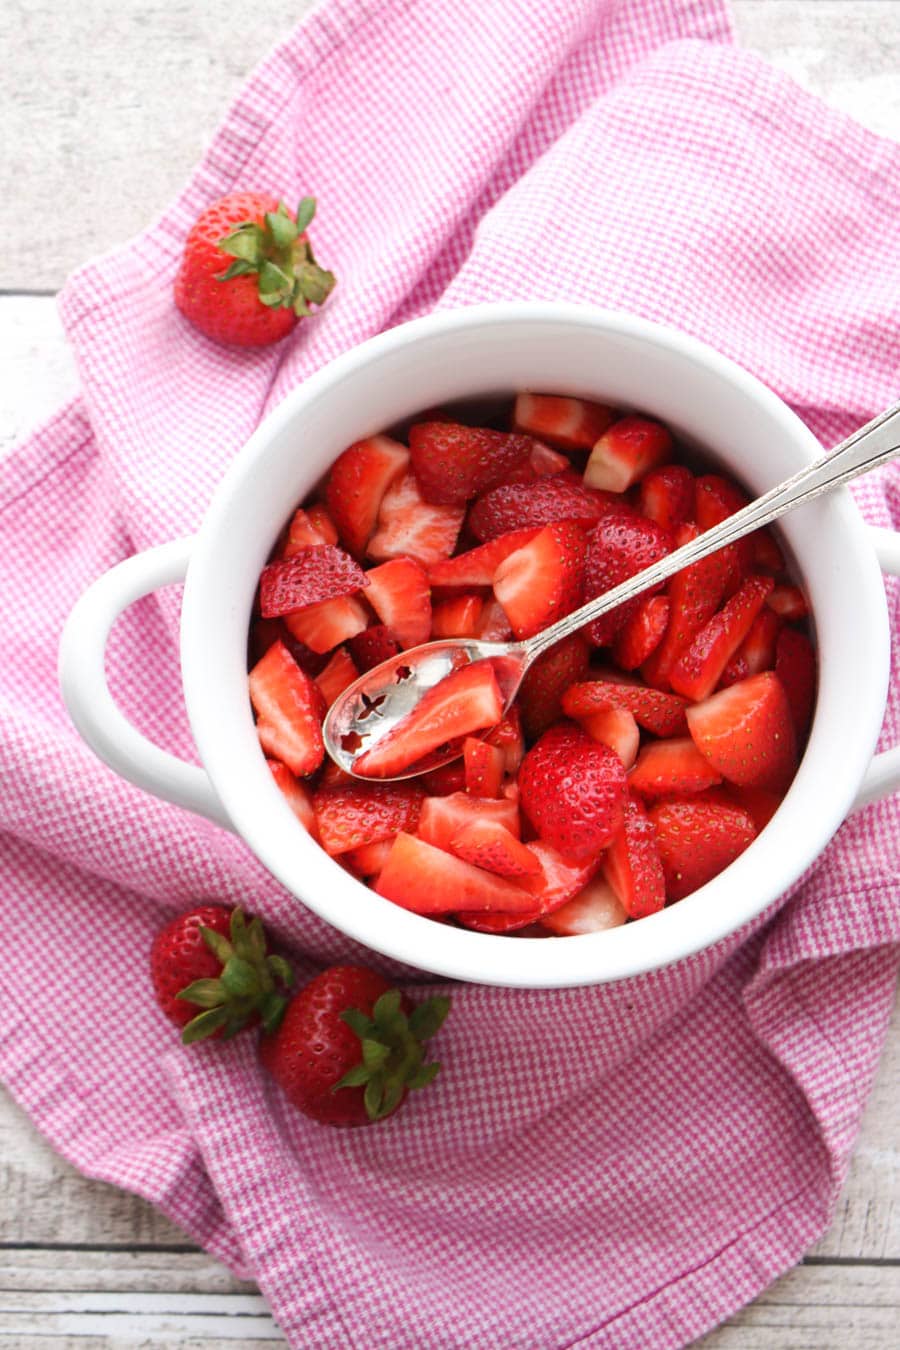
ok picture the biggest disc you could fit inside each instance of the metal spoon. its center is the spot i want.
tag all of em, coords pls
(373, 705)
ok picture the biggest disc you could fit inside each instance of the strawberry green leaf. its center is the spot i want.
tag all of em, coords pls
(280, 969)
(239, 978)
(283, 229)
(423, 1076)
(305, 212)
(428, 1018)
(354, 1077)
(374, 1054)
(246, 241)
(391, 1097)
(374, 1095)
(204, 1025)
(239, 268)
(358, 1022)
(271, 1011)
(204, 993)
(220, 947)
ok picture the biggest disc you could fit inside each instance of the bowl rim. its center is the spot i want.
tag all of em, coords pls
(262, 817)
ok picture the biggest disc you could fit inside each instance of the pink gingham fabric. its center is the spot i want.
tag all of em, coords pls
(613, 1167)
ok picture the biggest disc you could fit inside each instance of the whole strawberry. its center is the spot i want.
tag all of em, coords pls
(213, 974)
(350, 1047)
(271, 283)
(573, 790)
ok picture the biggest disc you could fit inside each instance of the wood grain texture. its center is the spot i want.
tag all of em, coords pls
(89, 122)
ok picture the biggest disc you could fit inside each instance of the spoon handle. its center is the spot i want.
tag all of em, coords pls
(872, 445)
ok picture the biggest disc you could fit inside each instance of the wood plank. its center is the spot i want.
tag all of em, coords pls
(70, 1270)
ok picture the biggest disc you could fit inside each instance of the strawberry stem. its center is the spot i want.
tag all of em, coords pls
(392, 1050)
(278, 252)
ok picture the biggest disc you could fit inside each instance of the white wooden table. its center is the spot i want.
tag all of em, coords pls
(105, 106)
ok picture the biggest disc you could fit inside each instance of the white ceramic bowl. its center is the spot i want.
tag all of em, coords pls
(484, 350)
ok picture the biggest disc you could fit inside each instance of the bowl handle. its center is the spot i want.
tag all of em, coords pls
(86, 693)
(883, 774)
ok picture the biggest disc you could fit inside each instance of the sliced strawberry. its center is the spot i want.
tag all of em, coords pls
(491, 846)
(466, 701)
(507, 736)
(446, 780)
(541, 691)
(592, 910)
(458, 617)
(653, 709)
(352, 814)
(326, 625)
(572, 423)
(697, 839)
(671, 768)
(289, 709)
(493, 626)
(788, 602)
(483, 921)
(519, 506)
(757, 651)
(642, 632)
(747, 733)
(632, 864)
(767, 556)
(667, 496)
(337, 676)
(301, 533)
(700, 666)
(368, 859)
(617, 547)
(694, 596)
(716, 499)
(542, 462)
(400, 595)
(321, 521)
(427, 880)
(442, 818)
(477, 566)
(759, 804)
(617, 728)
(407, 524)
(484, 768)
(317, 572)
(630, 448)
(372, 646)
(356, 485)
(454, 463)
(556, 883)
(572, 790)
(542, 581)
(298, 795)
(795, 666)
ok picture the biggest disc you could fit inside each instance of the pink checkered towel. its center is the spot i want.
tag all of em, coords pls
(618, 1166)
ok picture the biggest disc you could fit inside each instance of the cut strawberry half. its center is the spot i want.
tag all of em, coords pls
(368, 859)
(747, 733)
(301, 533)
(356, 485)
(633, 866)
(372, 646)
(617, 728)
(458, 617)
(630, 448)
(454, 463)
(757, 651)
(592, 910)
(666, 496)
(694, 596)
(717, 498)
(546, 681)
(507, 737)
(571, 423)
(696, 840)
(491, 846)
(551, 888)
(289, 709)
(446, 780)
(493, 626)
(617, 547)
(477, 566)
(572, 790)
(326, 625)
(654, 709)
(788, 602)
(542, 462)
(350, 815)
(642, 632)
(700, 666)
(337, 676)
(427, 880)
(317, 572)
(542, 581)
(466, 701)
(519, 506)
(409, 525)
(795, 666)
(484, 768)
(767, 556)
(321, 521)
(672, 768)
(400, 595)
(298, 795)
(442, 818)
